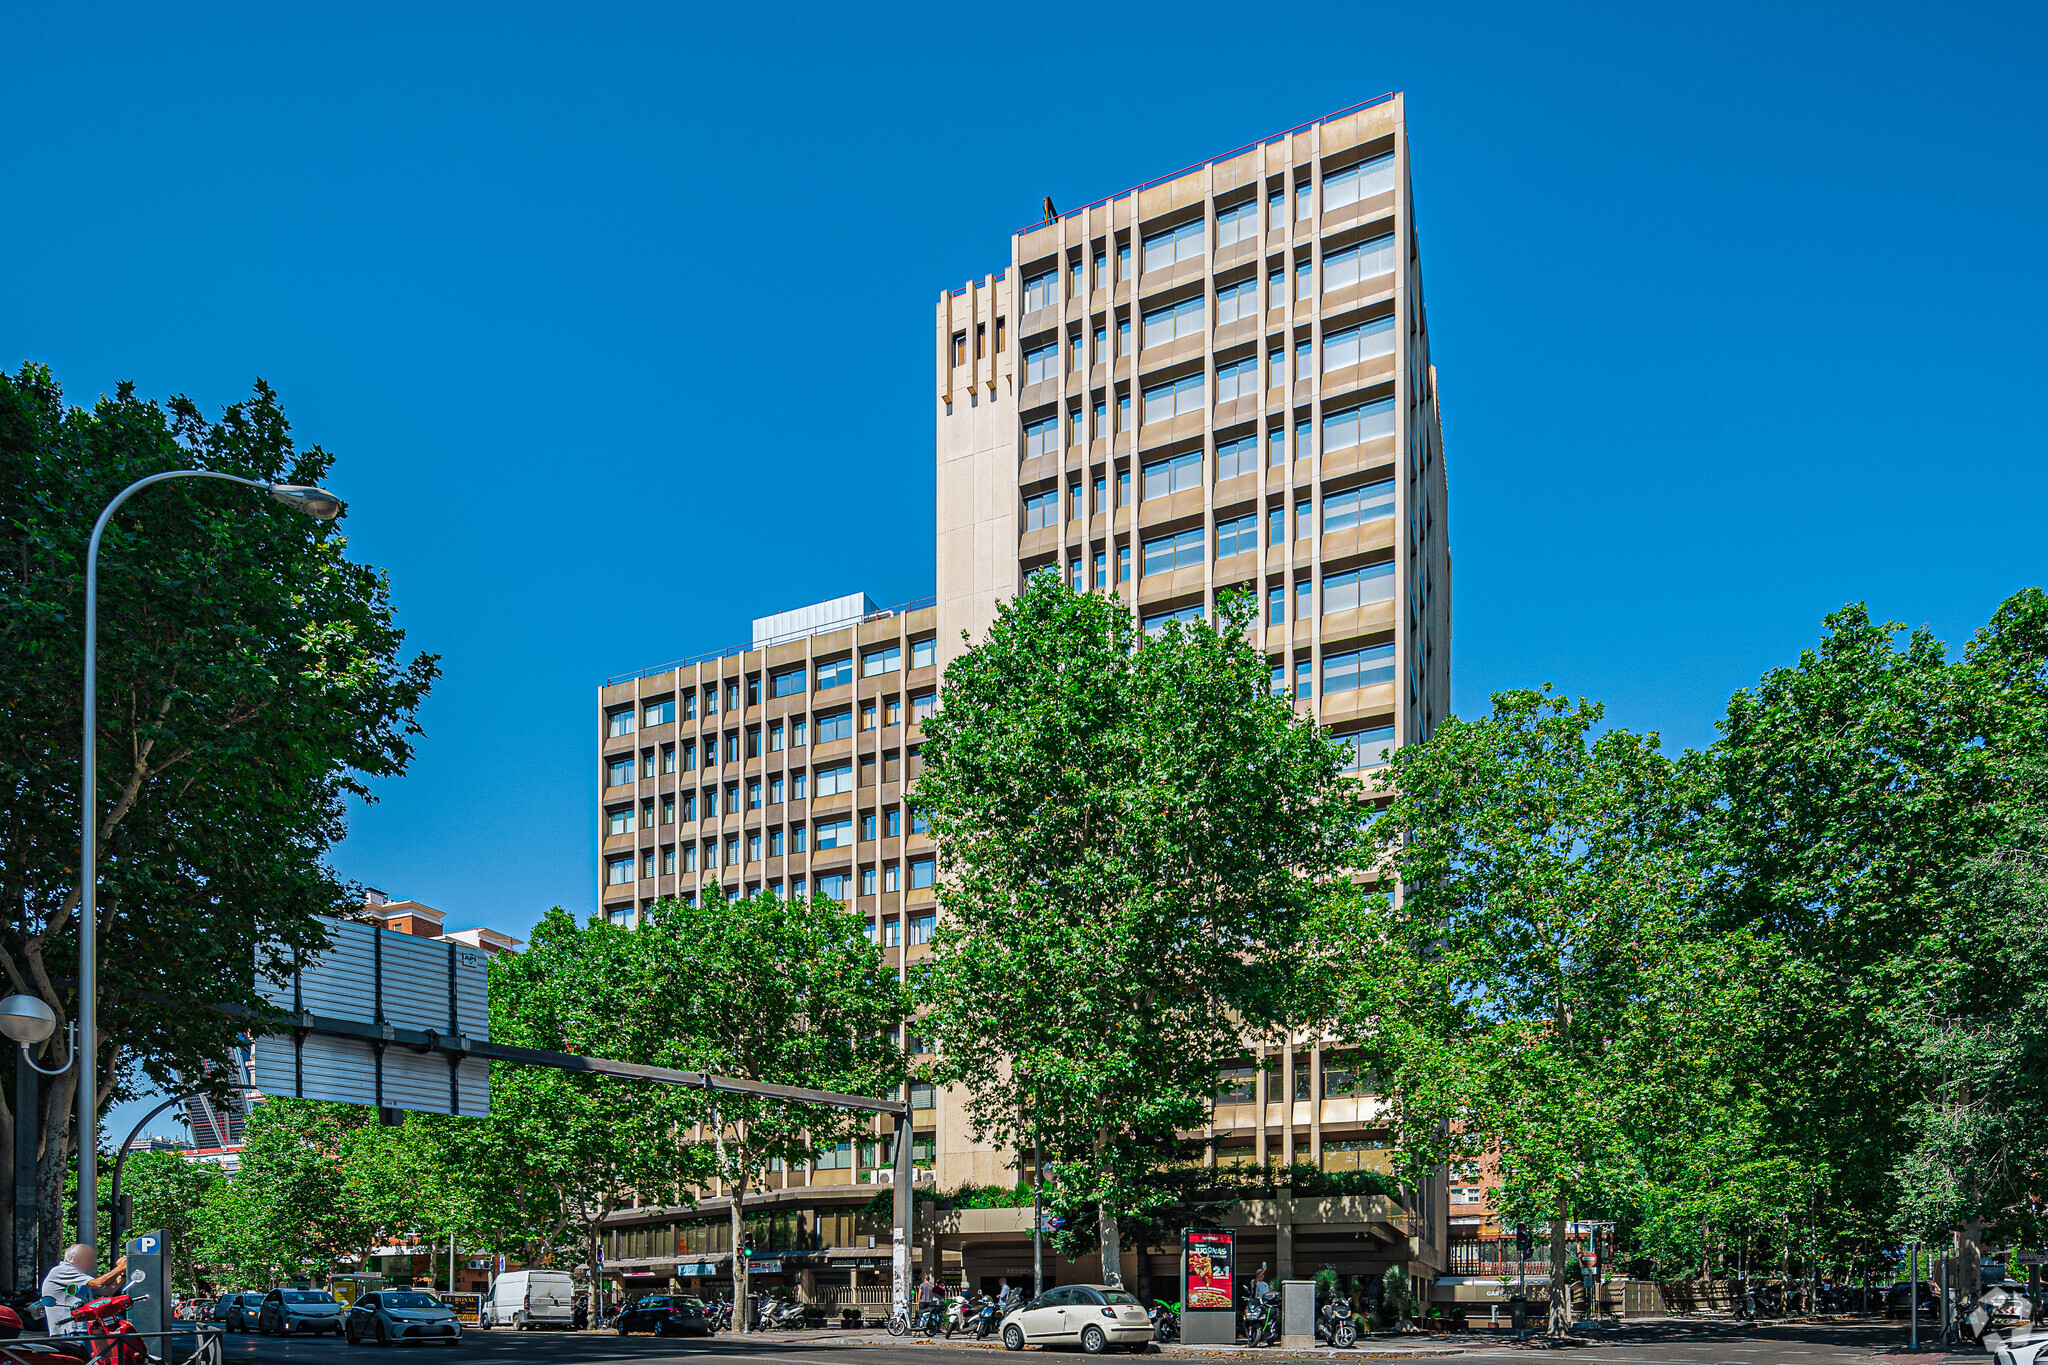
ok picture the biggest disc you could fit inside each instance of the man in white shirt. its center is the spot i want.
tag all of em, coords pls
(64, 1287)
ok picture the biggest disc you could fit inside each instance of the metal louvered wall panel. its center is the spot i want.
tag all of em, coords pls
(372, 978)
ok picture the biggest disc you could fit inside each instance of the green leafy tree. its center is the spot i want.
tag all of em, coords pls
(289, 1214)
(251, 683)
(572, 1149)
(1540, 873)
(761, 989)
(171, 1194)
(1861, 792)
(1134, 835)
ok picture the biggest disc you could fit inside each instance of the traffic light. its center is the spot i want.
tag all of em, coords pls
(747, 1247)
(1524, 1243)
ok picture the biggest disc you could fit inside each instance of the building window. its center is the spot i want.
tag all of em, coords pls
(1354, 183)
(1074, 436)
(923, 705)
(892, 877)
(1357, 506)
(834, 834)
(1042, 437)
(1276, 288)
(1276, 606)
(835, 886)
(1075, 507)
(754, 794)
(619, 871)
(1176, 475)
(1171, 399)
(1305, 279)
(923, 653)
(878, 661)
(1279, 680)
(647, 813)
(1356, 425)
(1123, 563)
(1183, 243)
(1239, 379)
(1074, 572)
(799, 838)
(1238, 536)
(1077, 355)
(892, 823)
(619, 820)
(1234, 301)
(1174, 321)
(835, 725)
(893, 710)
(619, 772)
(775, 844)
(619, 723)
(622, 915)
(1238, 223)
(1101, 419)
(668, 810)
(787, 683)
(867, 828)
(798, 729)
(1101, 490)
(710, 699)
(838, 673)
(775, 737)
(1304, 202)
(1276, 446)
(923, 1095)
(659, 712)
(1304, 678)
(1304, 599)
(921, 928)
(690, 756)
(1123, 412)
(835, 781)
(1304, 359)
(1041, 291)
(1276, 527)
(1155, 625)
(1101, 569)
(1366, 748)
(668, 758)
(892, 933)
(732, 851)
(1361, 262)
(1041, 363)
(1358, 587)
(690, 704)
(753, 848)
(1358, 668)
(922, 872)
(1181, 550)
(1041, 510)
(959, 348)
(1367, 341)
(1276, 368)
(837, 1157)
(732, 696)
(867, 881)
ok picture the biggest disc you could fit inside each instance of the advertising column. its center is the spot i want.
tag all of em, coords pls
(1208, 1266)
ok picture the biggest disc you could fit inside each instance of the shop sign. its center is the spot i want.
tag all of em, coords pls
(765, 1265)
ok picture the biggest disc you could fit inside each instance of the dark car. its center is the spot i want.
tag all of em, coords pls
(237, 1312)
(390, 1316)
(1898, 1301)
(667, 1315)
(289, 1312)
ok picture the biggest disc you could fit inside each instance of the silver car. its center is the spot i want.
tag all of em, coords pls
(292, 1312)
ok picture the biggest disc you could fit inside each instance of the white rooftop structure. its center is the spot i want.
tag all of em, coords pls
(802, 621)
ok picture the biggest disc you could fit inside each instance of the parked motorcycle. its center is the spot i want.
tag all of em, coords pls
(1165, 1321)
(1336, 1324)
(930, 1319)
(781, 1315)
(959, 1313)
(987, 1318)
(1262, 1322)
(114, 1339)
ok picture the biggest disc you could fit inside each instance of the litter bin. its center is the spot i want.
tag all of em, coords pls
(1518, 1313)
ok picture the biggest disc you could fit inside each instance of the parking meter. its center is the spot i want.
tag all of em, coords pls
(146, 1275)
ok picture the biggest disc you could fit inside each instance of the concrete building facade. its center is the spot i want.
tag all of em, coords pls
(1215, 382)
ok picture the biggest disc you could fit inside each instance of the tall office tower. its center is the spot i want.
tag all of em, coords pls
(1218, 381)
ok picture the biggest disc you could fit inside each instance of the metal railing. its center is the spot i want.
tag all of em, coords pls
(105, 1345)
(879, 614)
(1205, 161)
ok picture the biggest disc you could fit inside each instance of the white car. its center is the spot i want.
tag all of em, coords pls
(1093, 1317)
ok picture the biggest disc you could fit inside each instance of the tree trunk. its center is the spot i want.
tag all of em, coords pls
(737, 1189)
(1560, 1294)
(1970, 1262)
(1112, 1250)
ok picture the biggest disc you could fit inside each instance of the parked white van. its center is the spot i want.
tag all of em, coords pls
(529, 1298)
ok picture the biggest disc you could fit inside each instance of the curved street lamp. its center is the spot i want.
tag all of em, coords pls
(316, 503)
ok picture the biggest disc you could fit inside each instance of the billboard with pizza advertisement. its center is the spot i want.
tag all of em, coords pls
(1209, 1263)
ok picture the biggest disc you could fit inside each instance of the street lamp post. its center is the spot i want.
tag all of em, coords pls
(317, 503)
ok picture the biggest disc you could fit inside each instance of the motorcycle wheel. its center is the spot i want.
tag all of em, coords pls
(897, 1325)
(1347, 1336)
(931, 1328)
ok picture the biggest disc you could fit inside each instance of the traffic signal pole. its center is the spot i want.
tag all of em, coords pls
(906, 1212)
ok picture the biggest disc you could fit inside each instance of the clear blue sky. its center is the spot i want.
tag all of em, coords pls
(618, 317)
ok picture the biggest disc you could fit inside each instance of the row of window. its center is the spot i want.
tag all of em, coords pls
(837, 886)
(1239, 535)
(1188, 317)
(1343, 427)
(1342, 1079)
(832, 673)
(794, 734)
(1188, 241)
